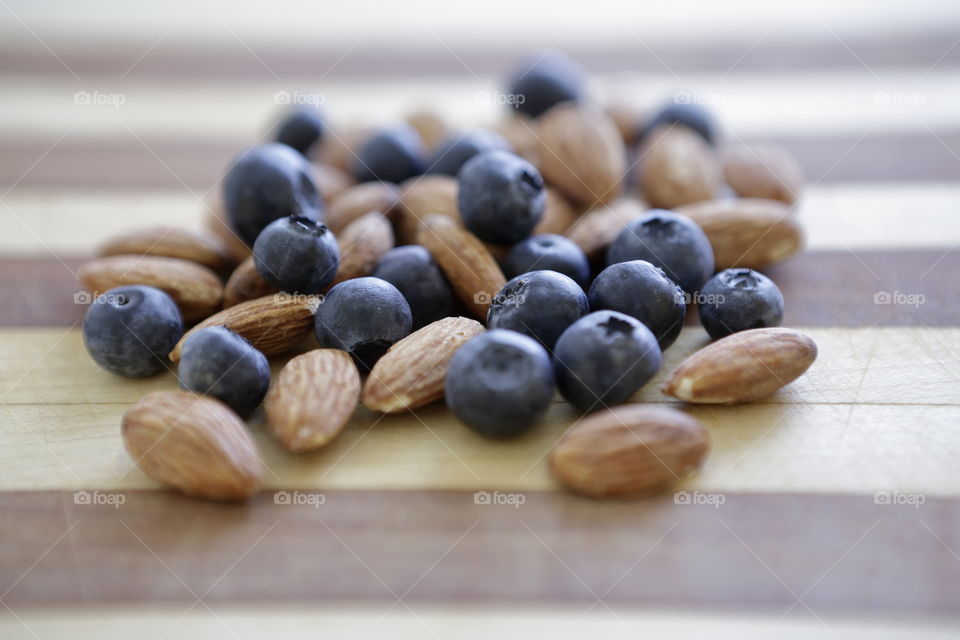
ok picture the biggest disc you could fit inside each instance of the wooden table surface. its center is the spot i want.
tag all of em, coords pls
(830, 509)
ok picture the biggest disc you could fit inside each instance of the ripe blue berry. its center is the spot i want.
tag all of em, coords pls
(411, 269)
(603, 358)
(683, 110)
(269, 182)
(643, 291)
(457, 148)
(740, 299)
(673, 242)
(364, 317)
(544, 82)
(500, 383)
(130, 330)
(548, 251)
(390, 155)
(218, 362)
(501, 196)
(302, 129)
(540, 304)
(296, 254)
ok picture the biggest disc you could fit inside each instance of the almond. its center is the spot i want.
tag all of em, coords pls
(245, 283)
(747, 232)
(431, 126)
(629, 117)
(558, 214)
(763, 171)
(422, 196)
(339, 148)
(521, 133)
(632, 449)
(677, 167)
(193, 443)
(472, 272)
(312, 399)
(598, 227)
(195, 289)
(216, 222)
(581, 153)
(362, 243)
(203, 248)
(357, 200)
(273, 324)
(412, 373)
(743, 367)
(331, 181)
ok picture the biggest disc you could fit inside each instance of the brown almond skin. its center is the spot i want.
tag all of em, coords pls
(747, 232)
(677, 167)
(195, 444)
(521, 132)
(355, 201)
(742, 367)
(598, 227)
(422, 196)
(204, 248)
(412, 373)
(629, 450)
(362, 243)
(431, 126)
(196, 290)
(763, 171)
(273, 324)
(312, 399)
(472, 271)
(581, 153)
(559, 214)
(245, 284)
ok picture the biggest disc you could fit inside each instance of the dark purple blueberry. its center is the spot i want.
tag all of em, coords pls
(130, 330)
(218, 362)
(684, 110)
(302, 129)
(739, 299)
(500, 383)
(548, 251)
(501, 196)
(542, 82)
(540, 304)
(457, 148)
(411, 269)
(643, 291)
(390, 155)
(269, 182)
(364, 317)
(603, 358)
(296, 254)
(673, 242)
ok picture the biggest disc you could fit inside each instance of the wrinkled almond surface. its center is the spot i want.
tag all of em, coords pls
(677, 167)
(355, 201)
(201, 247)
(245, 284)
(422, 196)
(598, 227)
(362, 243)
(763, 171)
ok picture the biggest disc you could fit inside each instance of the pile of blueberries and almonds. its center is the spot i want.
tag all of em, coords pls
(591, 326)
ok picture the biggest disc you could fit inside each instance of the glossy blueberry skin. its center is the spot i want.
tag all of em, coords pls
(390, 155)
(412, 270)
(548, 251)
(740, 299)
(683, 110)
(364, 317)
(668, 240)
(130, 330)
(457, 148)
(603, 358)
(500, 383)
(539, 84)
(268, 182)
(540, 304)
(643, 291)
(218, 362)
(302, 129)
(501, 196)
(297, 255)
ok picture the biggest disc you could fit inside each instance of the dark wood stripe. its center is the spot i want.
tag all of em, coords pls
(821, 288)
(755, 551)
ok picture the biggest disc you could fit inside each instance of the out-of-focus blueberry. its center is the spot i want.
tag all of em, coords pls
(390, 155)
(457, 148)
(545, 81)
(684, 109)
(302, 129)
(218, 362)
(501, 196)
(548, 251)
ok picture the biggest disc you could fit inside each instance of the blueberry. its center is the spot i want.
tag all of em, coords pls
(544, 82)
(411, 269)
(603, 358)
(364, 317)
(500, 383)
(457, 148)
(540, 304)
(683, 110)
(673, 242)
(269, 182)
(218, 362)
(302, 129)
(501, 196)
(737, 300)
(130, 330)
(296, 254)
(390, 155)
(548, 251)
(641, 290)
